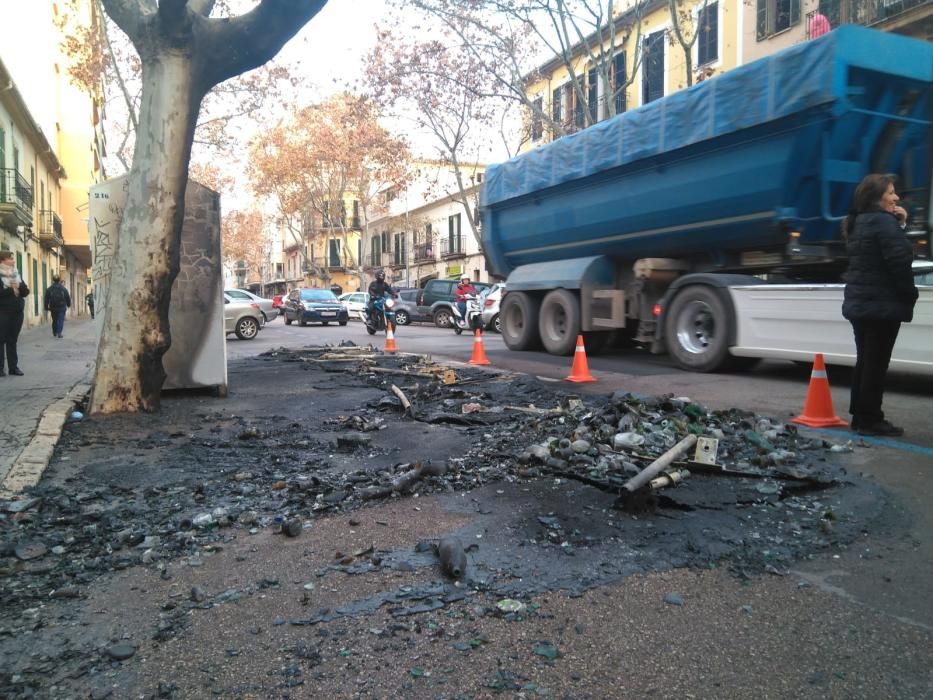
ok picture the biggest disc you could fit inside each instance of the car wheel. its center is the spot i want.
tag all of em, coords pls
(247, 328)
(343, 323)
(496, 324)
(402, 318)
(325, 323)
(301, 321)
(443, 318)
(288, 321)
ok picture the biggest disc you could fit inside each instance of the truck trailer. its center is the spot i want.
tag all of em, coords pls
(683, 224)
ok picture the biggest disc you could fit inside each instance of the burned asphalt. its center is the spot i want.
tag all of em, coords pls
(284, 542)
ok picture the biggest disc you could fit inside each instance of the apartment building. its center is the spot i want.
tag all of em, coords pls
(51, 144)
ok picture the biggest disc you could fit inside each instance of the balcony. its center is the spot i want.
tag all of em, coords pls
(865, 12)
(452, 248)
(16, 199)
(50, 229)
(423, 252)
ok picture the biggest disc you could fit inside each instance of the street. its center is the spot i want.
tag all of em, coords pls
(774, 387)
(149, 560)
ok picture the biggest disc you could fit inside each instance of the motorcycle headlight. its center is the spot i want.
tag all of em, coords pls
(390, 303)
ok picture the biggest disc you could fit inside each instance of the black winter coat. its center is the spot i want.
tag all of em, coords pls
(9, 302)
(879, 282)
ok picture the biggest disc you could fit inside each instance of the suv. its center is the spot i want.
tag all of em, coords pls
(439, 296)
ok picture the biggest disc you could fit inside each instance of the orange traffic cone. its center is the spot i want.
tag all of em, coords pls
(390, 340)
(479, 352)
(580, 372)
(818, 409)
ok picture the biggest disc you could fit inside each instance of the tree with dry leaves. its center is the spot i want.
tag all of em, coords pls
(184, 52)
(320, 158)
(689, 21)
(102, 59)
(510, 40)
(245, 245)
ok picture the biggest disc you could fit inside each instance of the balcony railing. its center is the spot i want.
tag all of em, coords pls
(423, 252)
(452, 247)
(50, 229)
(832, 13)
(16, 198)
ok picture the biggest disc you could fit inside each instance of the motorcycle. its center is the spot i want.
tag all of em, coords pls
(382, 316)
(474, 315)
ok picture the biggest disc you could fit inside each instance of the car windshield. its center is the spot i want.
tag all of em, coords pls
(317, 295)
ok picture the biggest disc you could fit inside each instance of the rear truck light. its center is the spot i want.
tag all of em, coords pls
(656, 310)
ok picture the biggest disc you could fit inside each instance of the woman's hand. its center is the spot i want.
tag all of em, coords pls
(901, 214)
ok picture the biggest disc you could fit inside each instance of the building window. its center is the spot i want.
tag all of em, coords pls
(376, 251)
(652, 86)
(579, 109)
(592, 94)
(537, 123)
(333, 249)
(618, 81)
(775, 16)
(708, 33)
(400, 250)
(557, 112)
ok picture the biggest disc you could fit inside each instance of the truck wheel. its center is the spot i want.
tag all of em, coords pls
(559, 322)
(696, 329)
(518, 321)
(443, 317)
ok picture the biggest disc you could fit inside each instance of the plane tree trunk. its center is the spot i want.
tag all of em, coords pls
(184, 53)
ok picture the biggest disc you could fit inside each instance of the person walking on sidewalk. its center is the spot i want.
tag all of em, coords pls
(89, 300)
(57, 303)
(879, 295)
(13, 292)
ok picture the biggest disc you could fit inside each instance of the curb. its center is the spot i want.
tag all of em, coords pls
(32, 462)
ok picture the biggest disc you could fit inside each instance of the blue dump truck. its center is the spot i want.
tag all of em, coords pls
(646, 225)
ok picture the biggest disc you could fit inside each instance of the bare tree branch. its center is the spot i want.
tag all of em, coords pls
(130, 15)
(202, 7)
(236, 45)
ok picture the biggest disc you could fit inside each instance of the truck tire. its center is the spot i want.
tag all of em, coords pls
(559, 322)
(697, 327)
(518, 320)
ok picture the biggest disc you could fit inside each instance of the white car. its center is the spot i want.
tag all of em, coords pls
(353, 302)
(490, 299)
(269, 312)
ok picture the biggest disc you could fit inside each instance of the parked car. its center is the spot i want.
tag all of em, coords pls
(277, 301)
(923, 273)
(491, 299)
(354, 302)
(440, 296)
(269, 312)
(407, 310)
(242, 317)
(312, 305)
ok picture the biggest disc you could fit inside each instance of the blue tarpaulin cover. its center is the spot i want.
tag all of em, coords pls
(802, 77)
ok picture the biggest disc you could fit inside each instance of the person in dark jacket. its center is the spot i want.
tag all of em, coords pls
(13, 292)
(879, 295)
(57, 303)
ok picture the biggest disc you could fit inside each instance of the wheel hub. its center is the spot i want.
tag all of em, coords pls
(696, 328)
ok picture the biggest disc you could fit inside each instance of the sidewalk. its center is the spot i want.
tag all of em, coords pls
(57, 373)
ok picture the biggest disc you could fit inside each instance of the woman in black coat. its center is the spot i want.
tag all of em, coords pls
(13, 291)
(879, 295)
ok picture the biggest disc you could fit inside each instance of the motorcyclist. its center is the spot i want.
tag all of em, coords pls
(464, 289)
(377, 288)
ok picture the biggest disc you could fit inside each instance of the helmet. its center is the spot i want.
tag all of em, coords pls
(464, 278)
(380, 275)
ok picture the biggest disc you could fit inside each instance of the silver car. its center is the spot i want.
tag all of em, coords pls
(269, 312)
(242, 317)
(490, 301)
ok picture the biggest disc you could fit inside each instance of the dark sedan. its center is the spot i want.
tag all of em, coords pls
(314, 306)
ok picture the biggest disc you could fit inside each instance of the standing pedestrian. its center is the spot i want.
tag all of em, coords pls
(13, 292)
(57, 303)
(89, 300)
(879, 295)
